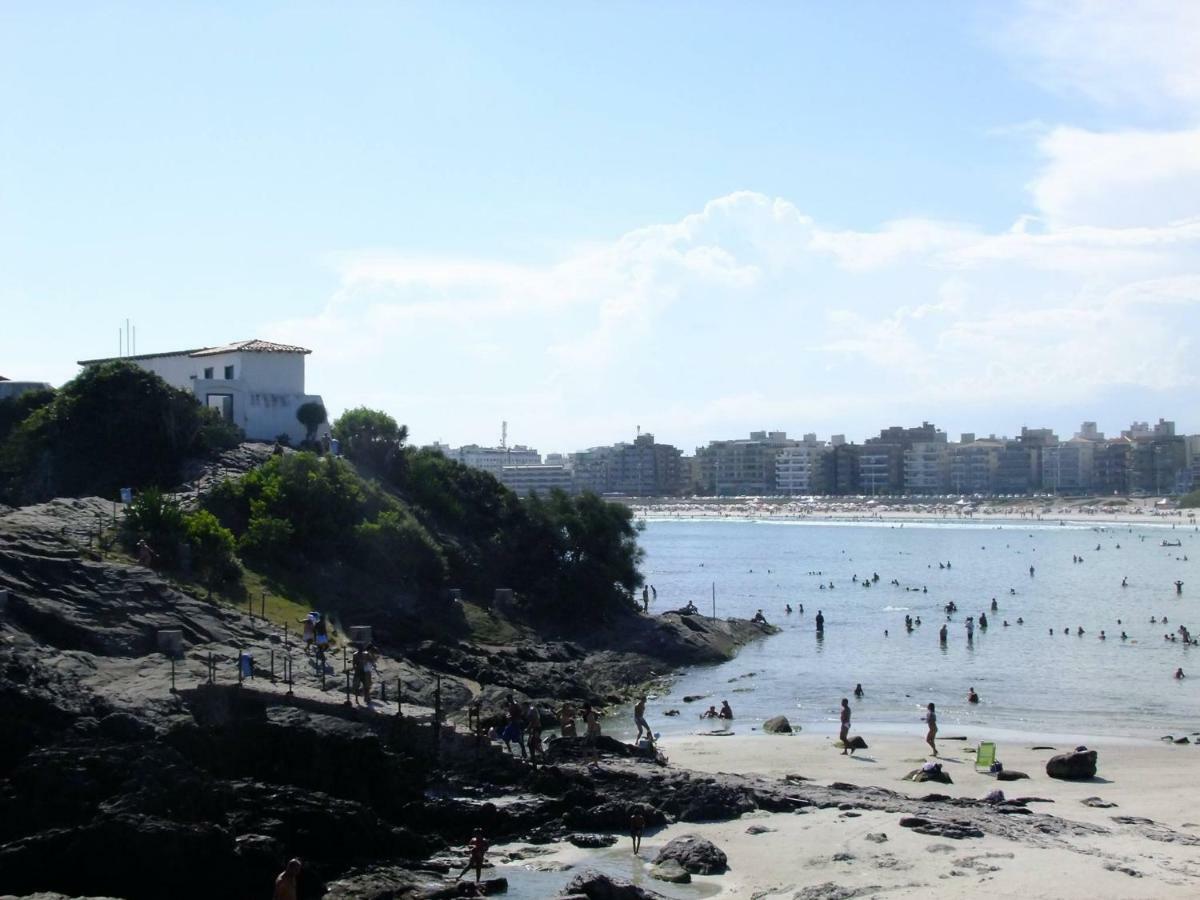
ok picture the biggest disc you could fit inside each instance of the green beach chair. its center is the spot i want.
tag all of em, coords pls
(985, 756)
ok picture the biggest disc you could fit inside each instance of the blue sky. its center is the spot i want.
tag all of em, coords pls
(699, 218)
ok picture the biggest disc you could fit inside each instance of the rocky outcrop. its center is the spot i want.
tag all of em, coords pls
(695, 854)
(1078, 765)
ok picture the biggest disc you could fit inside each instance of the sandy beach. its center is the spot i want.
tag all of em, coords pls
(1154, 855)
(1093, 511)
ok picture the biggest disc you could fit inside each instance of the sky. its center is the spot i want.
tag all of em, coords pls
(697, 218)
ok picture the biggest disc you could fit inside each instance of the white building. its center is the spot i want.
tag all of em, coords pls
(798, 469)
(490, 459)
(257, 385)
(927, 467)
(522, 480)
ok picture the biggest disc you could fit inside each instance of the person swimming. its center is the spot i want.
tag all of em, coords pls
(972, 697)
(858, 691)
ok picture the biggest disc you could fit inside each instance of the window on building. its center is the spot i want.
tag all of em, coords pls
(229, 373)
(208, 372)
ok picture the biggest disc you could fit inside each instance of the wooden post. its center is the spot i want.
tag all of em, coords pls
(347, 687)
(437, 717)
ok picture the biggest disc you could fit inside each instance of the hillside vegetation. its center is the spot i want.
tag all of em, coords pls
(389, 526)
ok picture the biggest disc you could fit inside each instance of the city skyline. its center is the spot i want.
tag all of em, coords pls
(705, 220)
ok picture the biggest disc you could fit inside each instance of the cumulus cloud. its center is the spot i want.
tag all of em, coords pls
(749, 309)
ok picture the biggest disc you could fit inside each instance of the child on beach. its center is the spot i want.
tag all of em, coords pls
(931, 736)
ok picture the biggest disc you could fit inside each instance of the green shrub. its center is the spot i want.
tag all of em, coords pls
(157, 519)
(212, 547)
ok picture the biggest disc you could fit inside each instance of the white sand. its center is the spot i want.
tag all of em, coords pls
(1150, 779)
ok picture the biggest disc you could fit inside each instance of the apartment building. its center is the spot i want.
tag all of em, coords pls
(798, 469)
(741, 467)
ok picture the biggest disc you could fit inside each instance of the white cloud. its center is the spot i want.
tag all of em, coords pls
(1115, 52)
(751, 302)
(1121, 179)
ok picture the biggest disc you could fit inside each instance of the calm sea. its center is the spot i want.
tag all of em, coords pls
(1029, 681)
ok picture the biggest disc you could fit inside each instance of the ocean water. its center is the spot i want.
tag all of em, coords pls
(1029, 681)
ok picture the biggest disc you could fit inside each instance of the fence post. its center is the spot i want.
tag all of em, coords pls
(290, 680)
(264, 606)
(172, 673)
(399, 698)
(272, 665)
(210, 667)
(347, 673)
(437, 717)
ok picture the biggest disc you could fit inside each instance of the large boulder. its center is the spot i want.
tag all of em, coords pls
(695, 854)
(671, 871)
(1078, 765)
(777, 725)
(595, 886)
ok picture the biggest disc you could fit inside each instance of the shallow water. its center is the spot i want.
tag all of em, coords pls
(1028, 680)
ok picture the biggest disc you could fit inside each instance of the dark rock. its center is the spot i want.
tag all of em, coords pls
(592, 841)
(758, 829)
(830, 891)
(1077, 765)
(777, 725)
(671, 712)
(1010, 775)
(122, 726)
(941, 828)
(692, 698)
(596, 886)
(877, 837)
(1097, 803)
(697, 855)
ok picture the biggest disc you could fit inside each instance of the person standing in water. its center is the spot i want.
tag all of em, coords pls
(844, 733)
(820, 622)
(931, 735)
(639, 718)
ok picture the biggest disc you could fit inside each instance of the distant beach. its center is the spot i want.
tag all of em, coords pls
(1092, 510)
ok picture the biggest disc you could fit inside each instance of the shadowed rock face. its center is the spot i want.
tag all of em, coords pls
(1074, 766)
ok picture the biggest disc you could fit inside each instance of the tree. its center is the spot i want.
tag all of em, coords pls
(114, 425)
(312, 416)
(369, 436)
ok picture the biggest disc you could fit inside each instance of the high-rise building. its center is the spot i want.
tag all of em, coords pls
(741, 467)
(641, 469)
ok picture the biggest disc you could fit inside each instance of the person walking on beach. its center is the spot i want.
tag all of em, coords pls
(637, 825)
(844, 733)
(287, 883)
(477, 849)
(931, 721)
(639, 718)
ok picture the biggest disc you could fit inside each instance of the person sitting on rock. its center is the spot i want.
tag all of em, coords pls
(566, 721)
(759, 618)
